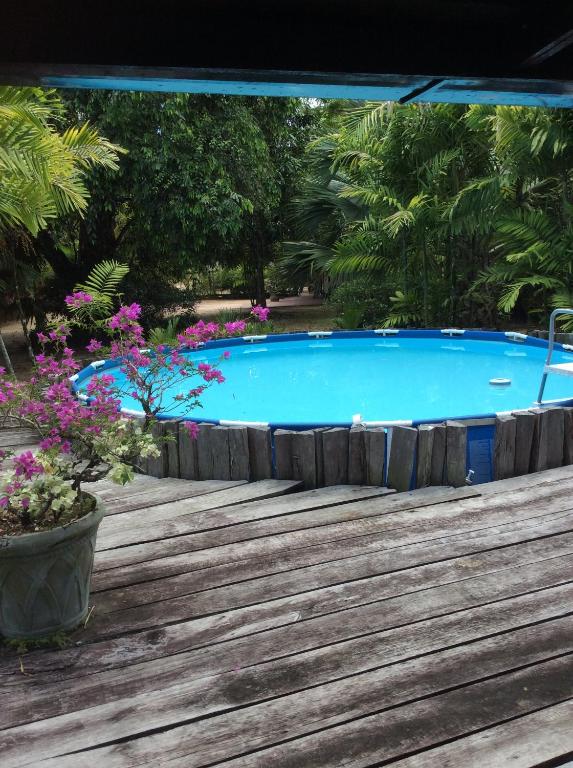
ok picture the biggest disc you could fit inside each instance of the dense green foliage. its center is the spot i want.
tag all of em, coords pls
(204, 182)
(456, 214)
(43, 170)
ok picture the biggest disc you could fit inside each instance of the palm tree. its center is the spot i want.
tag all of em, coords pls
(465, 211)
(42, 177)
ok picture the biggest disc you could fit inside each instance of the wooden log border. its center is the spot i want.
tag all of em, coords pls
(402, 457)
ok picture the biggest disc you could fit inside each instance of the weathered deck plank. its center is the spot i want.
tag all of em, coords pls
(303, 710)
(329, 627)
(516, 743)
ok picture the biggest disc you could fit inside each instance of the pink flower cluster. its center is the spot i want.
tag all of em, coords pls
(49, 403)
(26, 466)
(78, 299)
(261, 313)
(201, 332)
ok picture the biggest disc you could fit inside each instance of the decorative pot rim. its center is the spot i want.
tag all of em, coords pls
(29, 543)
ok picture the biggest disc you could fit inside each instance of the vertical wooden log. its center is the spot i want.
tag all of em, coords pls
(424, 455)
(220, 453)
(438, 471)
(188, 467)
(375, 451)
(204, 452)
(172, 446)
(555, 421)
(567, 435)
(524, 431)
(260, 452)
(356, 456)
(304, 458)
(548, 439)
(239, 464)
(335, 456)
(319, 452)
(504, 447)
(157, 466)
(402, 456)
(456, 445)
(283, 454)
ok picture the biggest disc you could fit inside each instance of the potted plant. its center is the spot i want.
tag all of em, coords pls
(48, 520)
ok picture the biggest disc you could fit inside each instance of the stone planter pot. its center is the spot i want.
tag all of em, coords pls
(45, 578)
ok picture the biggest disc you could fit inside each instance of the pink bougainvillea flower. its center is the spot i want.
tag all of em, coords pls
(25, 465)
(78, 299)
(261, 313)
(238, 326)
(192, 429)
(94, 345)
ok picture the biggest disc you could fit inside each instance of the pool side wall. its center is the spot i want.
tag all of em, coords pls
(479, 433)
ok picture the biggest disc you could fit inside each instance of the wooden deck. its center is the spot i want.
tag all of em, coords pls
(337, 627)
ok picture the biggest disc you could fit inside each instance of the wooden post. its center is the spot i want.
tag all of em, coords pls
(374, 450)
(424, 453)
(188, 467)
(172, 446)
(304, 458)
(504, 447)
(319, 452)
(401, 459)
(204, 452)
(157, 466)
(524, 431)
(567, 435)
(260, 453)
(548, 439)
(283, 454)
(555, 421)
(438, 471)
(456, 444)
(219, 439)
(335, 456)
(356, 456)
(239, 465)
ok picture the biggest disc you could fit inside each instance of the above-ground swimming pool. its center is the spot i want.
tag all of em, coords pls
(306, 380)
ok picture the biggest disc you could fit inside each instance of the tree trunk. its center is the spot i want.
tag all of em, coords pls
(257, 264)
(425, 282)
(6, 356)
(18, 247)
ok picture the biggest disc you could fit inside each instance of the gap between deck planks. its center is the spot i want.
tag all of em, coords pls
(508, 558)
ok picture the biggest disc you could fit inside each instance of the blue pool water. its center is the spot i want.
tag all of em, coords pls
(313, 382)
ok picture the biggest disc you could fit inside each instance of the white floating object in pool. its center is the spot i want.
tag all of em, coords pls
(452, 331)
(387, 331)
(500, 382)
(357, 418)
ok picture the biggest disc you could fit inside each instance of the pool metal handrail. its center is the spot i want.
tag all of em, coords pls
(563, 369)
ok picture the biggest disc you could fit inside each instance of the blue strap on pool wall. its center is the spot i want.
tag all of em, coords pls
(479, 449)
